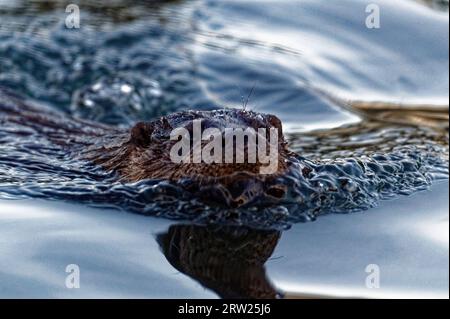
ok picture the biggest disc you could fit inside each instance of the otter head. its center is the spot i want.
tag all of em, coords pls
(228, 156)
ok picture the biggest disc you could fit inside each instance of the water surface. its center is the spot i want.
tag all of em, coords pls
(132, 60)
(119, 255)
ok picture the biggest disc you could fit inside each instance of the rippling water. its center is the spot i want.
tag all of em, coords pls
(342, 90)
(122, 66)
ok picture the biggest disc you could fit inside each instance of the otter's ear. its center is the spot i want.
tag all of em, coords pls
(276, 123)
(141, 134)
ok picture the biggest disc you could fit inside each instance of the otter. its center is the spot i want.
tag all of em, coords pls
(142, 152)
(300, 186)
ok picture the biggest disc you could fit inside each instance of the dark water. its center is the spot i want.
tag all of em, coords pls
(137, 60)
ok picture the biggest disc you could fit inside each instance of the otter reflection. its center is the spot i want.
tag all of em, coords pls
(226, 259)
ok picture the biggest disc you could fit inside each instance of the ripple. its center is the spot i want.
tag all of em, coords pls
(138, 61)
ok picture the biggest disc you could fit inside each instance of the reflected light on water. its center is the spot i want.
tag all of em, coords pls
(11, 210)
(323, 291)
(436, 231)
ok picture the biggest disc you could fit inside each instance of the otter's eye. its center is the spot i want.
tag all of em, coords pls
(277, 191)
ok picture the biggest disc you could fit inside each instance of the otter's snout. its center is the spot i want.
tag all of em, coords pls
(242, 191)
